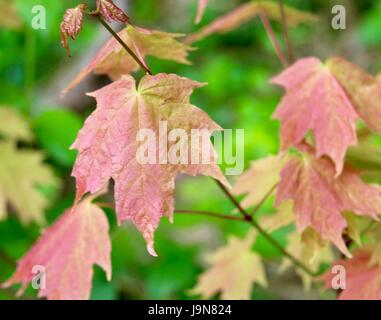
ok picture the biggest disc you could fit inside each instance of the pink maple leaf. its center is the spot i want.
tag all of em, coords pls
(314, 100)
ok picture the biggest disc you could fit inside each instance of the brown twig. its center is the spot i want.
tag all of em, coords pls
(265, 234)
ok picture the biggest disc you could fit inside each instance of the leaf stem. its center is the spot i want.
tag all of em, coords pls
(290, 51)
(123, 44)
(211, 214)
(270, 32)
(267, 195)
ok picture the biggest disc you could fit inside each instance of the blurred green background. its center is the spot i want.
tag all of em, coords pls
(34, 69)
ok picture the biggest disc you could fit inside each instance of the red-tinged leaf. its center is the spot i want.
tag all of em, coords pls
(320, 198)
(109, 11)
(71, 25)
(67, 251)
(108, 147)
(247, 12)
(262, 177)
(314, 100)
(201, 10)
(363, 89)
(362, 278)
(114, 61)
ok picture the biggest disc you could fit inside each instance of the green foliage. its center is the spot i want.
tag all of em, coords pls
(56, 130)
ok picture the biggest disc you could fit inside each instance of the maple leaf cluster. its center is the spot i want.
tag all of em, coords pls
(319, 112)
(316, 185)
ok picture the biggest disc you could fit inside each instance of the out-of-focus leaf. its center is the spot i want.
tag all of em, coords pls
(247, 12)
(21, 173)
(13, 126)
(234, 269)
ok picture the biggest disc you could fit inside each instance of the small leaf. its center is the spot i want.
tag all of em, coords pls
(71, 25)
(233, 270)
(248, 11)
(114, 61)
(68, 250)
(109, 11)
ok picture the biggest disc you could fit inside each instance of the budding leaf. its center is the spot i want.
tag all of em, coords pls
(109, 11)
(67, 251)
(71, 25)
(108, 147)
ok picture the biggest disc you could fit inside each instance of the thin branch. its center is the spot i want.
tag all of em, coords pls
(124, 45)
(291, 55)
(270, 32)
(264, 233)
(211, 214)
(194, 212)
(267, 195)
